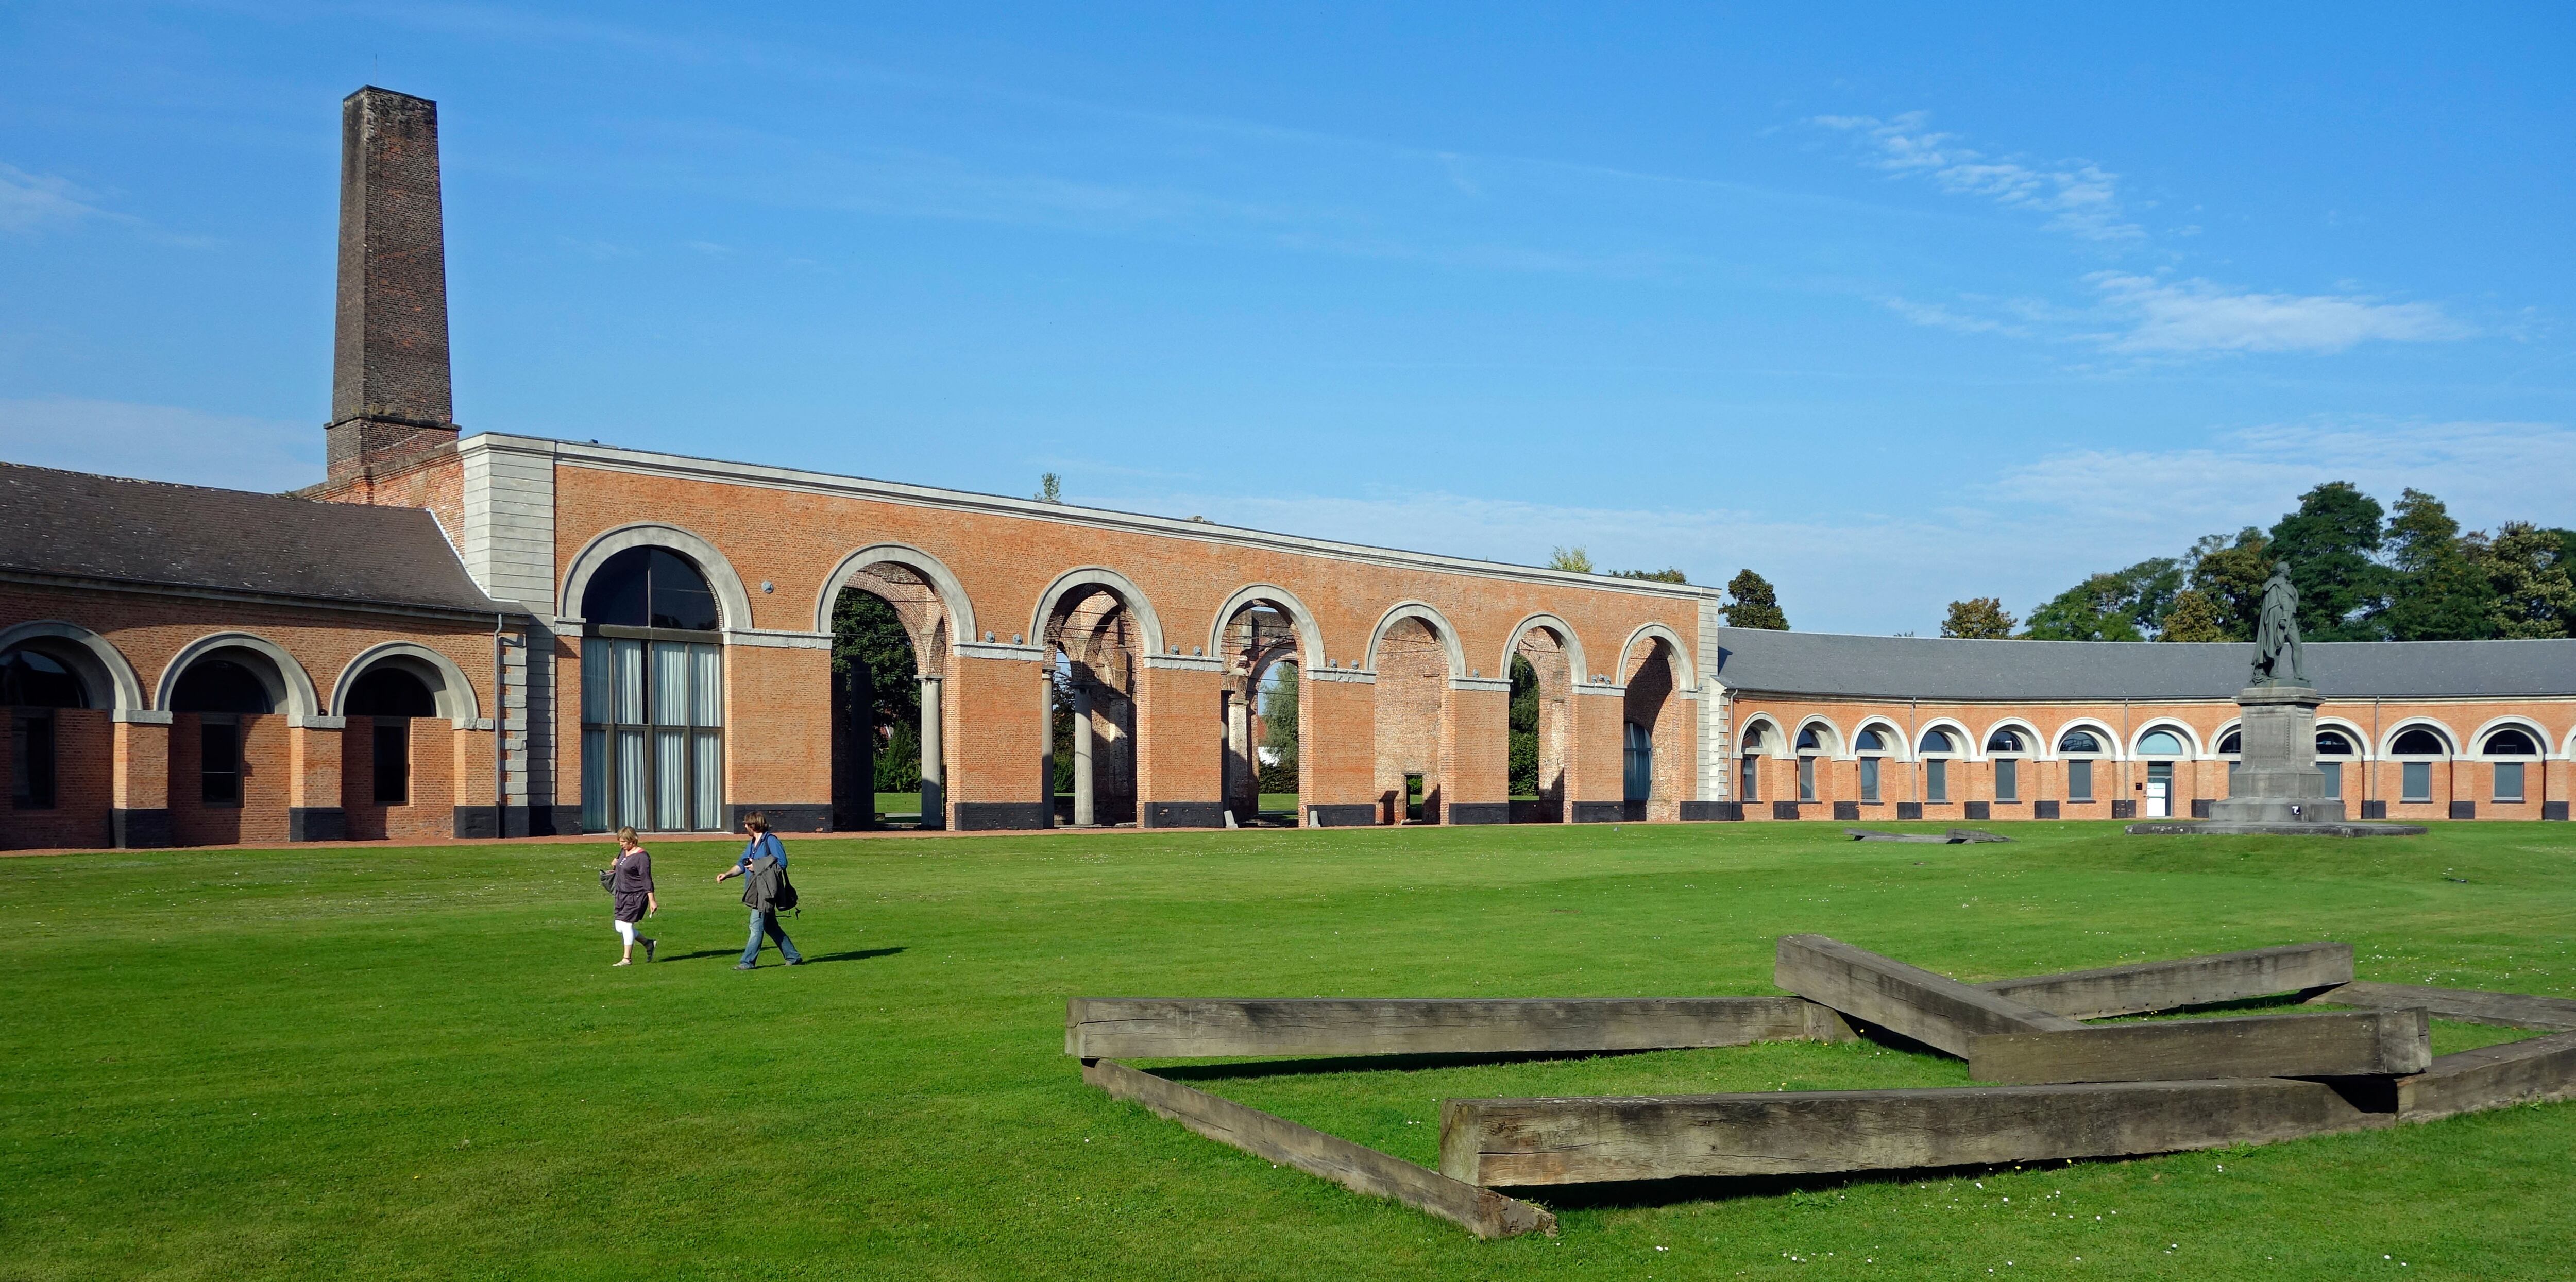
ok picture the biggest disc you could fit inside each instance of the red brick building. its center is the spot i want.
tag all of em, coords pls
(509, 635)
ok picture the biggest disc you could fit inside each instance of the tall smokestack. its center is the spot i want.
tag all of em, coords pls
(390, 394)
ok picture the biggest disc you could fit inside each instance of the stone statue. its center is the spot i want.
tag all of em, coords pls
(2279, 659)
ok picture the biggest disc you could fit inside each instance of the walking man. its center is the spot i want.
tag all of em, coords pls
(765, 890)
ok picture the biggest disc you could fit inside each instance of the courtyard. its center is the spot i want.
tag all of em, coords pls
(417, 1062)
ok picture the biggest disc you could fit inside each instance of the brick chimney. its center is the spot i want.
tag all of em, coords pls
(390, 395)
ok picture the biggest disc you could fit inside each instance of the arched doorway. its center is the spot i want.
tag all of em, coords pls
(1414, 656)
(228, 746)
(652, 695)
(1652, 756)
(891, 625)
(1543, 663)
(1095, 646)
(37, 685)
(1263, 711)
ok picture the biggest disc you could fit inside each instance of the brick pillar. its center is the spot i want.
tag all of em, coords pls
(391, 397)
(313, 751)
(1595, 754)
(139, 818)
(996, 735)
(1180, 731)
(476, 817)
(1336, 749)
(1475, 777)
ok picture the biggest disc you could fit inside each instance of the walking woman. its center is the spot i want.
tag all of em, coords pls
(764, 862)
(631, 881)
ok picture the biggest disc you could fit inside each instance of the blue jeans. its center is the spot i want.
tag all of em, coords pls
(765, 921)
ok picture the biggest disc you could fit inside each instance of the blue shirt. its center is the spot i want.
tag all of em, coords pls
(766, 843)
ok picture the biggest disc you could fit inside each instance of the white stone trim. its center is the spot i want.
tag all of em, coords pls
(1432, 618)
(456, 697)
(125, 690)
(1503, 684)
(1685, 674)
(1148, 626)
(778, 639)
(1615, 691)
(999, 650)
(761, 476)
(508, 543)
(141, 716)
(1575, 667)
(2191, 744)
(1352, 676)
(2475, 749)
(732, 603)
(298, 696)
(1310, 635)
(1186, 662)
(943, 582)
(318, 723)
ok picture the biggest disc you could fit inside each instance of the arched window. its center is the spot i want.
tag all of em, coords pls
(2511, 742)
(652, 696)
(1938, 740)
(1811, 744)
(2004, 745)
(650, 587)
(33, 686)
(2160, 743)
(2079, 741)
(1870, 740)
(1937, 746)
(222, 685)
(392, 697)
(2006, 739)
(1810, 741)
(2415, 777)
(1748, 767)
(1872, 746)
(2333, 743)
(2077, 745)
(2231, 744)
(220, 691)
(2420, 741)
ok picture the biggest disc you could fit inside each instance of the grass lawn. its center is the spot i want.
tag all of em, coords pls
(418, 1063)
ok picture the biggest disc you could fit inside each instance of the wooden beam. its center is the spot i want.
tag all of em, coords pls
(2189, 981)
(2350, 1044)
(1180, 1028)
(1581, 1141)
(2512, 1010)
(1356, 1167)
(1932, 1009)
(2542, 1068)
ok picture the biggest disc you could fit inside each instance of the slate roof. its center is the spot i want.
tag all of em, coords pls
(1940, 668)
(80, 525)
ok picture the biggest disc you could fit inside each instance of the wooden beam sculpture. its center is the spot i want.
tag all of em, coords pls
(2072, 1089)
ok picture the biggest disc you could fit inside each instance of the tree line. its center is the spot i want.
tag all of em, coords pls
(2363, 573)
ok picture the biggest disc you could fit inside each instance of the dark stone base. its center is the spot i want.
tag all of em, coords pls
(475, 823)
(139, 829)
(2464, 810)
(1784, 810)
(2553, 810)
(1353, 815)
(1981, 810)
(1909, 810)
(2187, 828)
(1712, 812)
(1847, 811)
(2044, 809)
(2374, 810)
(784, 816)
(1537, 812)
(1479, 812)
(2126, 810)
(316, 823)
(999, 816)
(1184, 814)
(2203, 807)
(1600, 812)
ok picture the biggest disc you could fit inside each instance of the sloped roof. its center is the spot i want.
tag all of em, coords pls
(81, 525)
(1941, 668)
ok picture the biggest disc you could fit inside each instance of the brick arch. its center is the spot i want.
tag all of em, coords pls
(301, 702)
(455, 694)
(2193, 750)
(2363, 748)
(1886, 726)
(1149, 628)
(2112, 749)
(2038, 741)
(124, 690)
(1837, 750)
(2475, 747)
(1576, 671)
(1967, 750)
(1441, 631)
(943, 582)
(731, 600)
(1310, 634)
(1684, 678)
(2453, 752)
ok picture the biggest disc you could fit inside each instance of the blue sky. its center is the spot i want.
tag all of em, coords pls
(1894, 304)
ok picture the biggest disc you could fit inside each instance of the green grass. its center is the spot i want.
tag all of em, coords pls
(417, 1063)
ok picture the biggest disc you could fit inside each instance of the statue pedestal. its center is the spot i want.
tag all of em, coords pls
(2278, 780)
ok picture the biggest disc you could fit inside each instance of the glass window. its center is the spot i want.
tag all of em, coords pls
(1869, 778)
(31, 761)
(652, 743)
(2415, 779)
(2508, 780)
(2079, 780)
(2160, 743)
(393, 761)
(2511, 743)
(2079, 741)
(32, 680)
(649, 587)
(1870, 741)
(1940, 741)
(1752, 739)
(1810, 741)
(1936, 780)
(389, 691)
(2005, 740)
(2007, 780)
(1748, 779)
(2333, 771)
(2332, 743)
(2420, 741)
(1806, 778)
(219, 764)
(221, 685)
(2231, 744)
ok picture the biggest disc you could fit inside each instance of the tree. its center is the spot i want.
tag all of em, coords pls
(1524, 734)
(2095, 610)
(1652, 576)
(1574, 559)
(1051, 488)
(2533, 594)
(869, 640)
(2194, 616)
(2229, 577)
(1754, 604)
(1979, 618)
(1279, 728)
(2436, 592)
(2329, 543)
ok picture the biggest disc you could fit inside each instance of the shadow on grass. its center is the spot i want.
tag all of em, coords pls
(1363, 1064)
(856, 955)
(1649, 1193)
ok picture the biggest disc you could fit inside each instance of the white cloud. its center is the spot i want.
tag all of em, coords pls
(161, 443)
(2198, 316)
(1937, 316)
(2081, 198)
(33, 202)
